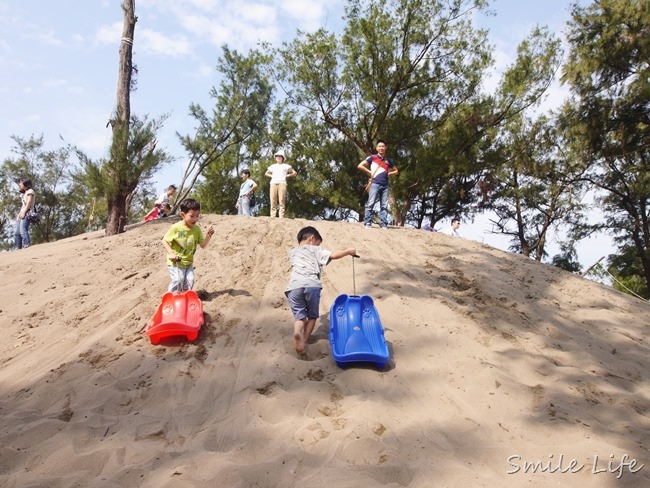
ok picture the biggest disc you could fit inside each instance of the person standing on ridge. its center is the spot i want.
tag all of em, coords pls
(379, 168)
(279, 172)
(246, 190)
(28, 200)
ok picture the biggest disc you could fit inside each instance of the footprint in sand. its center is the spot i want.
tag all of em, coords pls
(315, 375)
(267, 389)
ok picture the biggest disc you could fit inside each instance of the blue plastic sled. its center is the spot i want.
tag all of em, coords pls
(356, 333)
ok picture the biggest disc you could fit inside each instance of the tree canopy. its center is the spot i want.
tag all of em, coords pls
(609, 75)
(415, 74)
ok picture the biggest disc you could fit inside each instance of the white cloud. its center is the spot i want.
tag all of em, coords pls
(85, 127)
(241, 25)
(149, 40)
(33, 119)
(47, 37)
(240, 33)
(301, 10)
(205, 71)
(185, 5)
(78, 40)
(505, 55)
(258, 13)
(94, 143)
(60, 84)
(16, 26)
(310, 16)
(157, 43)
(236, 30)
(203, 27)
(206, 5)
(109, 34)
(199, 25)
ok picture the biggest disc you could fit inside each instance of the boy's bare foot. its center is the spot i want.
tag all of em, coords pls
(298, 343)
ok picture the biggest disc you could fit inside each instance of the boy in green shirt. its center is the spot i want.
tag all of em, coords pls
(181, 241)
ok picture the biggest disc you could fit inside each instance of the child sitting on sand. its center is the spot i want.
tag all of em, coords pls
(164, 211)
(303, 290)
(163, 202)
(181, 241)
(158, 213)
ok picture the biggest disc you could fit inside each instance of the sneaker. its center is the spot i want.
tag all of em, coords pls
(384, 227)
(368, 226)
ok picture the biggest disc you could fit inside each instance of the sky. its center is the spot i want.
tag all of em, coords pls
(58, 65)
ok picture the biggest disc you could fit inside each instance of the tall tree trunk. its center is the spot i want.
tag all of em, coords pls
(126, 63)
(117, 203)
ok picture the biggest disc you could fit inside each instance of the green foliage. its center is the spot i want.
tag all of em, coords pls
(232, 133)
(127, 163)
(567, 259)
(133, 159)
(328, 184)
(524, 83)
(529, 183)
(632, 285)
(538, 188)
(60, 201)
(628, 273)
(219, 190)
(609, 75)
(410, 73)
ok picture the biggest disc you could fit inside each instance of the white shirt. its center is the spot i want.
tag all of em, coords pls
(279, 172)
(162, 199)
(450, 231)
(23, 199)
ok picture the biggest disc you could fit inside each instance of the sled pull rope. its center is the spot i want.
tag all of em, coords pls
(354, 282)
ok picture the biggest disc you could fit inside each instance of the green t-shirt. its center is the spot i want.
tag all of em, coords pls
(184, 242)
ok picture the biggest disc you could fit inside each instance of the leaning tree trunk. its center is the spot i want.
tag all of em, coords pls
(117, 200)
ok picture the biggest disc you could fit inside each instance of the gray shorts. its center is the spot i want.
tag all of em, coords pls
(304, 302)
(182, 278)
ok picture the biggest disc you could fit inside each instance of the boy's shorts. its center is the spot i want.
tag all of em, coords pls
(304, 302)
(182, 278)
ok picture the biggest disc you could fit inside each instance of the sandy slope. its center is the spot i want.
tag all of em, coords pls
(498, 361)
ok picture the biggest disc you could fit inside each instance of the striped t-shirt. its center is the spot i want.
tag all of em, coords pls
(306, 264)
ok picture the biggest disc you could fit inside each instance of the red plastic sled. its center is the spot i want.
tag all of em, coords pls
(179, 314)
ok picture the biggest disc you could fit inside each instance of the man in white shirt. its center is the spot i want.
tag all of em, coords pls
(165, 197)
(279, 172)
(453, 230)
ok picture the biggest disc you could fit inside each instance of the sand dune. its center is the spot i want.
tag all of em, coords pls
(504, 372)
